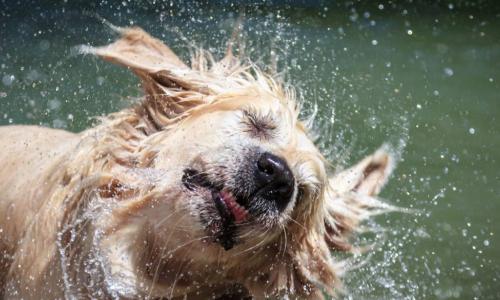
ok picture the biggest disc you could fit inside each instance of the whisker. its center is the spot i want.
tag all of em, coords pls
(286, 241)
(166, 254)
(296, 222)
(163, 220)
(252, 247)
(186, 244)
(281, 243)
(251, 231)
(156, 274)
(177, 276)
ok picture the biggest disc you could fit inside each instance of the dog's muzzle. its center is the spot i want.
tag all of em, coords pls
(262, 187)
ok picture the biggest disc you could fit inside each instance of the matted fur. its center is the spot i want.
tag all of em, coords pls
(92, 234)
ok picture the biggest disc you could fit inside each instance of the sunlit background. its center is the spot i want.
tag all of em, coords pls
(421, 76)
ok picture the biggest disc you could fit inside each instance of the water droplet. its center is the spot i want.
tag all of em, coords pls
(100, 80)
(448, 71)
(44, 45)
(7, 80)
(54, 104)
(58, 123)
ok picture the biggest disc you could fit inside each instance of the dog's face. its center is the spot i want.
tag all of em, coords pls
(229, 169)
(242, 164)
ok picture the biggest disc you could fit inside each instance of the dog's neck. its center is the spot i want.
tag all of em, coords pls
(144, 268)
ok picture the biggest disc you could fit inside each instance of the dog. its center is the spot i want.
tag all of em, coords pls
(209, 188)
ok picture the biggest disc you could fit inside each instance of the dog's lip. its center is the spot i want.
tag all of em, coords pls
(231, 212)
(229, 207)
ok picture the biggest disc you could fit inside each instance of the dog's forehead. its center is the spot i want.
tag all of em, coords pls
(263, 105)
(225, 114)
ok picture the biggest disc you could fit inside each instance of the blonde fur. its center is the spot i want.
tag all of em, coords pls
(108, 221)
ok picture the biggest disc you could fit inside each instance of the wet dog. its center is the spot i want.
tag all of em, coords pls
(209, 188)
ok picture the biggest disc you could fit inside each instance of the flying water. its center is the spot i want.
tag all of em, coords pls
(371, 74)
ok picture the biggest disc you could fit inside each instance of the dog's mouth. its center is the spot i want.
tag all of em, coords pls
(231, 210)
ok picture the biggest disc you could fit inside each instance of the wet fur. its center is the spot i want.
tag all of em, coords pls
(92, 215)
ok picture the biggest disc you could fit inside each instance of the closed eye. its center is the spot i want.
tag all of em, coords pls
(301, 192)
(307, 191)
(260, 126)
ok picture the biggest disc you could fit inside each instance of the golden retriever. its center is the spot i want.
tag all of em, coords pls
(209, 188)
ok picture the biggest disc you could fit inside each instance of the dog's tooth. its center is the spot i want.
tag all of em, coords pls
(242, 214)
(238, 211)
(239, 206)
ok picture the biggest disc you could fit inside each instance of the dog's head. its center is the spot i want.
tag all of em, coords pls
(246, 162)
(237, 183)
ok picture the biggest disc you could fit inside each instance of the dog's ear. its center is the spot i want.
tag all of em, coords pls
(141, 52)
(352, 198)
(367, 177)
(171, 87)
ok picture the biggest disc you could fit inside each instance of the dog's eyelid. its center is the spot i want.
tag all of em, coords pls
(301, 191)
(307, 189)
(253, 115)
(260, 125)
(304, 189)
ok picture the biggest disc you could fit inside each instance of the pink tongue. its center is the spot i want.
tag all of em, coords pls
(239, 212)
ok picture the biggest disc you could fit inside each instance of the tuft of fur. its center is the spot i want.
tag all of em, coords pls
(174, 91)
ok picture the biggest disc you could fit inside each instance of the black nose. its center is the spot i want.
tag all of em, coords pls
(274, 179)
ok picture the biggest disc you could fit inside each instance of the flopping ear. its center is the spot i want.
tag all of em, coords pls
(171, 86)
(349, 199)
(141, 52)
(367, 177)
(352, 198)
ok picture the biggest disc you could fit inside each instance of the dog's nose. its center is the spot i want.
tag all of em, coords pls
(275, 179)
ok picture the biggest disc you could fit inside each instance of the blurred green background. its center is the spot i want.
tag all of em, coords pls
(422, 76)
